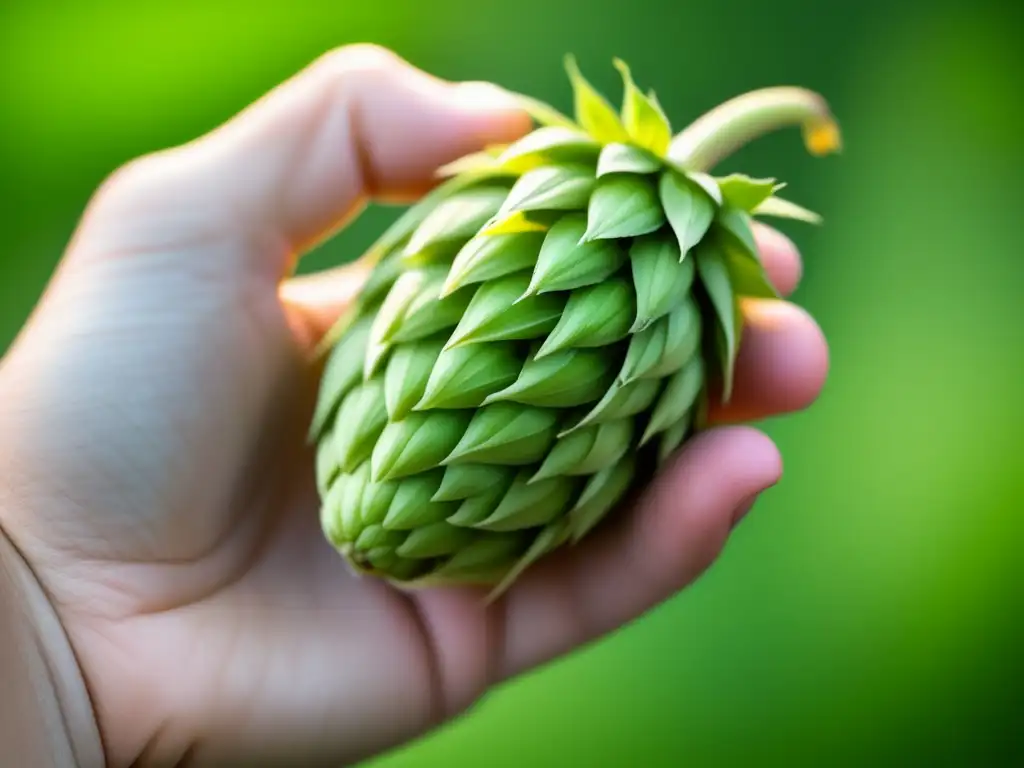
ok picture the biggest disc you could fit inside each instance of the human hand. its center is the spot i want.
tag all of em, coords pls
(157, 482)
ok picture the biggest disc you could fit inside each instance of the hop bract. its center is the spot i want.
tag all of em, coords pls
(540, 333)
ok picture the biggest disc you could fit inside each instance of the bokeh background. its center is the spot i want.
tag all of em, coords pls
(870, 611)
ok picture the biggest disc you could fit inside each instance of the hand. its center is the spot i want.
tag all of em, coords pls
(157, 482)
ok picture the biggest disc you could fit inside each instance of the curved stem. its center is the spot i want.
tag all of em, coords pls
(717, 134)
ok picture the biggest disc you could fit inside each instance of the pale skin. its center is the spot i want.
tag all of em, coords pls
(158, 487)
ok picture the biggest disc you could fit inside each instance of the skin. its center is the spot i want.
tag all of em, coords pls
(158, 496)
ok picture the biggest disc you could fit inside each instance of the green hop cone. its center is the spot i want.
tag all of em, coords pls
(542, 332)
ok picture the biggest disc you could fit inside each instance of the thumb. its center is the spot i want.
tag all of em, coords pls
(359, 123)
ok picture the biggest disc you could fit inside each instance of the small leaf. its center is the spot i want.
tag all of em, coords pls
(784, 209)
(417, 443)
(429, 313)
(463, 377)
(564, 263)
(588, 450)
(604, 490)
(562, 380)
(411, 506)
(550, 188)
(527, 505)
(377, 536)
(620, 401)
(593, 111)
(661, 278)
(646, 124)
(496, 313)
(506, 433)
(735, 225)
(665, 347)
(623, 206)
(550, 538)
(487, 257)
(405, 378)
(351, 517)
(678, 399)
(342, 371)
(361, 420)
(688, 209)
(705, 182)
(376, 499)
(478, 507)
(489, 550)
(326, 464)
(434, 540)
(594, 316)
(625, 158)
(455, 220)
(381, 278)
(405, 289)
(544, 146)
(520, 222)
(484, 162)
(671, 439)
(747, 274)
(744, 192)
(714, 275)
(464, 480)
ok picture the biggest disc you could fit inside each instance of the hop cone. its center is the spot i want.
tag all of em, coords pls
(540, 333)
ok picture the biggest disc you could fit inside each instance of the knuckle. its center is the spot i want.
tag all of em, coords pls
(361, 58)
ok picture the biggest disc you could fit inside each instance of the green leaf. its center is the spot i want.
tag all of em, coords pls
(662, 279)
(564, 263)
(411, 506)
(664, 348)
(714, 275)
(435, 540)
(625, 158)
(376, 499)
(342, 371)
(496, 313)
(550, 188)
(520, 222)
(562, 380)
(377, 536)
(678, 399)
(363, 416)
(326, 464)
(551, 536)
(351, 518)
(527, 505)
(429, 313)
(672, 438)
(593, 111)
(405, 378)
(623, 206)
(744, 192)
(594, 316)
(330, 514)
(619, 402)
(489, 550)
(556, 144)
(388, 318)
(602, 492)
(478, 507)
(417, 443)
(455, 220)
(464, 480)
(735, 225)
(381, 278)
(587, 451)
(487, 257)
(646, 124)
(784, 209)
(747, 274)
(707, 183)
(689, 211)
(506, 433)
(463, 377)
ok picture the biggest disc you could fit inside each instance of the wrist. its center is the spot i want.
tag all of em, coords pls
(46, 716)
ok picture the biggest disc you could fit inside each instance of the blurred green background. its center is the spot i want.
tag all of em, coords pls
(870, 611)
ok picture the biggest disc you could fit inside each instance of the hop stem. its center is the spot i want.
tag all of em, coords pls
(726, 128)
